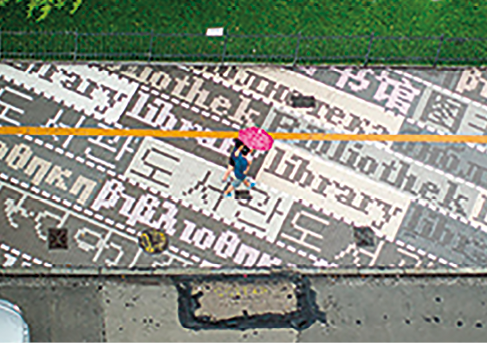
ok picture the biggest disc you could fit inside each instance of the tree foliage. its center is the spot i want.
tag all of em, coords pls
(42, 8)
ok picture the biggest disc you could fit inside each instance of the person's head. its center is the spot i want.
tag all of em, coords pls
(246, 150)
(238, 142)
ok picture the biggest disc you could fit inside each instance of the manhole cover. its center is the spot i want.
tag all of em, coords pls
(243, 194)
(301, 101)
(153, 241)
(58, 238)
(364, 236)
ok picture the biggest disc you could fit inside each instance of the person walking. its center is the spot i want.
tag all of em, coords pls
(231, 162)
(240, 170)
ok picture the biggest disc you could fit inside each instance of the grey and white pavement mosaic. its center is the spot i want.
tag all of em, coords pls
(425, 204)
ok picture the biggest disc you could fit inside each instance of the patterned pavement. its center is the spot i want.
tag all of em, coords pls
(316, 203)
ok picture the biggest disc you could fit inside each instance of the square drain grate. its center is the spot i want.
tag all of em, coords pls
(300, 101)
(58, 239)
(364, 236)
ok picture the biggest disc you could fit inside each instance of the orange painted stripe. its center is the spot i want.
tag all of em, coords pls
(63, 131)
(56, 131)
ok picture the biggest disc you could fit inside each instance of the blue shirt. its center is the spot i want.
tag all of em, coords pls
(241, 165)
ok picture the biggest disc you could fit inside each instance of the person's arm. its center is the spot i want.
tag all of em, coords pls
(248, 167)
(249, 162)
(238, 151)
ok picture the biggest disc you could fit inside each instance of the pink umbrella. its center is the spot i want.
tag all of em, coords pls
(256, 138)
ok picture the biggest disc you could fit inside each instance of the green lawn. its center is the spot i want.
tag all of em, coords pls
(310, 18)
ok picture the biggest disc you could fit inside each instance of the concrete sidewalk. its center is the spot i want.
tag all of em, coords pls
(147, 308)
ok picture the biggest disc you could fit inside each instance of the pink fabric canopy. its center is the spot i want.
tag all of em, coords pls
(256, 138)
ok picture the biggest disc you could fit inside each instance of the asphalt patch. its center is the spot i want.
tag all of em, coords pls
(300, 317)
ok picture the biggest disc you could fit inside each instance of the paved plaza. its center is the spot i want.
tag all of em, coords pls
(322, 204)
